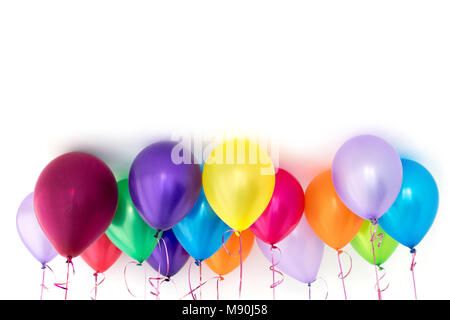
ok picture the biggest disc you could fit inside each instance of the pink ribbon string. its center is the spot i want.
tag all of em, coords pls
(234, 255)
(191, 292)
(219, 278)
(44, 266)
(125, 278)
(383, 275)
(160, 278)
(326, 285)
(372, 239)
(97, 284)
(274, 270)
(341, 274)
(65, 286)
(413, 264)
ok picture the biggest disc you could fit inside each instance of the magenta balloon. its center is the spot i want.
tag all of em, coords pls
(367, 175)
(301, 253)
(284, 210)
(75, 199)
(31, 233)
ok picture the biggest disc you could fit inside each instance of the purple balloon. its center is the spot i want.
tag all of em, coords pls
(367, 175)
(176, 253)
(162, 191)
(301, 253)
(31, 233)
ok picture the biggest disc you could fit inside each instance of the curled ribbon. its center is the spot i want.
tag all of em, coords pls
(97, 284)
(372, 239)
(274, 270)
(191, 292)
(233, 255)
(326, 285)
(413, 264)
(381, 269)
(65, 286)
(340, 275)
(159, 278)
(125, 276)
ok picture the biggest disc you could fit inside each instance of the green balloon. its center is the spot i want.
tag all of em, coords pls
(128, 231)
(361, 243)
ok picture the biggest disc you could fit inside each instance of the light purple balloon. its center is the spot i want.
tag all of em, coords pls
(301, 253)
(367, 175)
(31, 233)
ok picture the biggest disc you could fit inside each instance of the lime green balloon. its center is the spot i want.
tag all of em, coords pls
(361, 243)
(128, 231)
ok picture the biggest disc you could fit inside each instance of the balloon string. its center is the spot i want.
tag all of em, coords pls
(125, 277)
(200, 278)
(43, 280)
(413, 264)
(97, 284)
(234, 255)
(191, 292)
(372, 239)
(274, 270)
(61, 285)
(326, 285)
(309, 290)
(219, 278)
(383, 275)
(341, 274)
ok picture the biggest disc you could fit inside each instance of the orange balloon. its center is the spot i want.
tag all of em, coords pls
(327, 215)
(222, 262)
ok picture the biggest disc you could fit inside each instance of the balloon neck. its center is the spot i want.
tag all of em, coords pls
(139, 264)
(237, 233)
(157, 234)
(43, 266)
(412, 251)
(309, 284)
(221, 278)
(374, 221)
(167, 279)
(198, 263)
(69, 259)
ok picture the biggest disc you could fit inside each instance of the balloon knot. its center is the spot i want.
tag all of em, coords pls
(374, 221)
(309, 284)
(157, 234)
(221, 278)
(413, 250)
(95, 274)
(380, 268)
(69, 259)
(139, 264)
(339, 251)
(197, 262)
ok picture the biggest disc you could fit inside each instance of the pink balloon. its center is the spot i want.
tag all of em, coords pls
(75, 199)
(284, 210)
(301, 253)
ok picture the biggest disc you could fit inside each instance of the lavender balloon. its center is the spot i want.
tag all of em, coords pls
(367, 175)
(31, 233)
(176, 255)
(162, 190)
(301, 253)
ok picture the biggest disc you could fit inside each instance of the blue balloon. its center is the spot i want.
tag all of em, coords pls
(201, 231)
(414, 210)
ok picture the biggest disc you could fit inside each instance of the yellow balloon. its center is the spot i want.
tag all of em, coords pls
(238, 180)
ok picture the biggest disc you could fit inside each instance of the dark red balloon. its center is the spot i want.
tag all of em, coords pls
(284, 210)
(75, 199)
(101, 255)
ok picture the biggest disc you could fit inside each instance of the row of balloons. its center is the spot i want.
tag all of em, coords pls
(210, 211)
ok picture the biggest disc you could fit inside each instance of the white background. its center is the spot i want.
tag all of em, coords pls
(109, 77)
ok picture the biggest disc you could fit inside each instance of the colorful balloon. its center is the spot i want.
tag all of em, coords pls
(162, 190)
(223, 262)
(201, 231)
(175, 255)
(362, 244)
(31, 234)
(414, 210)
(128, 231)
(101, 255)
(367, 175)
(238, 179)
(301, 253)
(75, 199)
(330, 219)
(283, 212)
